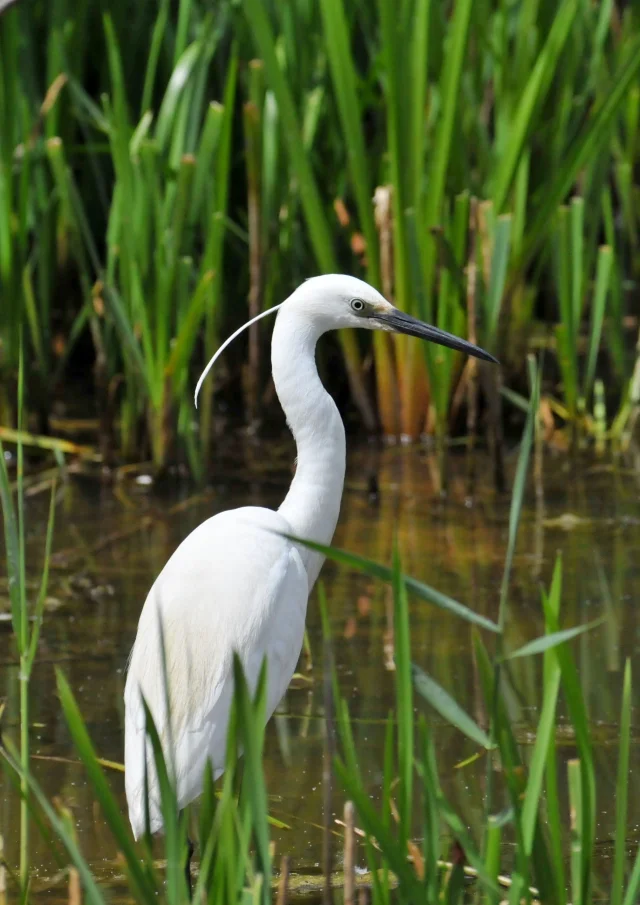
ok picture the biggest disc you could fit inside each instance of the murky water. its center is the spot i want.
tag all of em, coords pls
(110, 544)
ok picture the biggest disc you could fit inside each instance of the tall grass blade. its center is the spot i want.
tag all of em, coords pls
(319, 232)
(450, 92)
(576, 262)
(404, 694)
(598, 309)
(431, 818)
(141, 879)
(585, 147)
(534, 91)
(173, 823)
(622, 791)
(427, 769)
(503, 733)
(633, 887)
(315, 216)
(344, 76)
(552, 797)
(422, 591)
(548, 642)
(448, 707)
(250, 723)
(519, 484)
(44, 581)
(497, 280)
(577, 839)
(585, 770)
(12, 547)
(91, 890)
(492, 853)
(546, 727)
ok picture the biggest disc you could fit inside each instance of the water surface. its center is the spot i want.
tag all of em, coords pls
(111, 542)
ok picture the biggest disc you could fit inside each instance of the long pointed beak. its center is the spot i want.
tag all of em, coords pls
(400, 322)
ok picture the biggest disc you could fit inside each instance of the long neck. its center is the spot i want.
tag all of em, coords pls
(312, 505)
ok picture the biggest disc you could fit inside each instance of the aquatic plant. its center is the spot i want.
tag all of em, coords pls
(138, 213)
(26, 615)
(171, 184)
(34, 229)
(469, 212)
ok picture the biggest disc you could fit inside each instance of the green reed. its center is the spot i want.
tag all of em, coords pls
(581, 271)
(170, 188)
(26, 615)
(274, 53)
(470, 119)
(158, 295)
(26, 220)
(130, 198)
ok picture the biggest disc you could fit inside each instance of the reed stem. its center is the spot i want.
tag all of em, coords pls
(3, 874)
(283, 885)
(349, 855)
(24, 787)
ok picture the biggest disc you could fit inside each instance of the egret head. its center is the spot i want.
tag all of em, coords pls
(335, 301)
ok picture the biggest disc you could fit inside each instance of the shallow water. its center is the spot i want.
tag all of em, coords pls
(111, 542)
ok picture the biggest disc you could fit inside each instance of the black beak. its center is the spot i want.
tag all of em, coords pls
(404, 323)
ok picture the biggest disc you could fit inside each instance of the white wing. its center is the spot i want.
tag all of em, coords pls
(234, 584)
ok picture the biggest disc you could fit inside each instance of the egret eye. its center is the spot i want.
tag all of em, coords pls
(357, 305)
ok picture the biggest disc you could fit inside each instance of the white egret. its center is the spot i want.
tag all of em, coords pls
(236, 583)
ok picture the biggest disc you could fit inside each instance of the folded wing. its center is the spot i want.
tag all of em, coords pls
(234, 584)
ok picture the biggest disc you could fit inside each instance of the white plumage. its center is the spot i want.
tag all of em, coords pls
(260, 581)
(235, 583)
